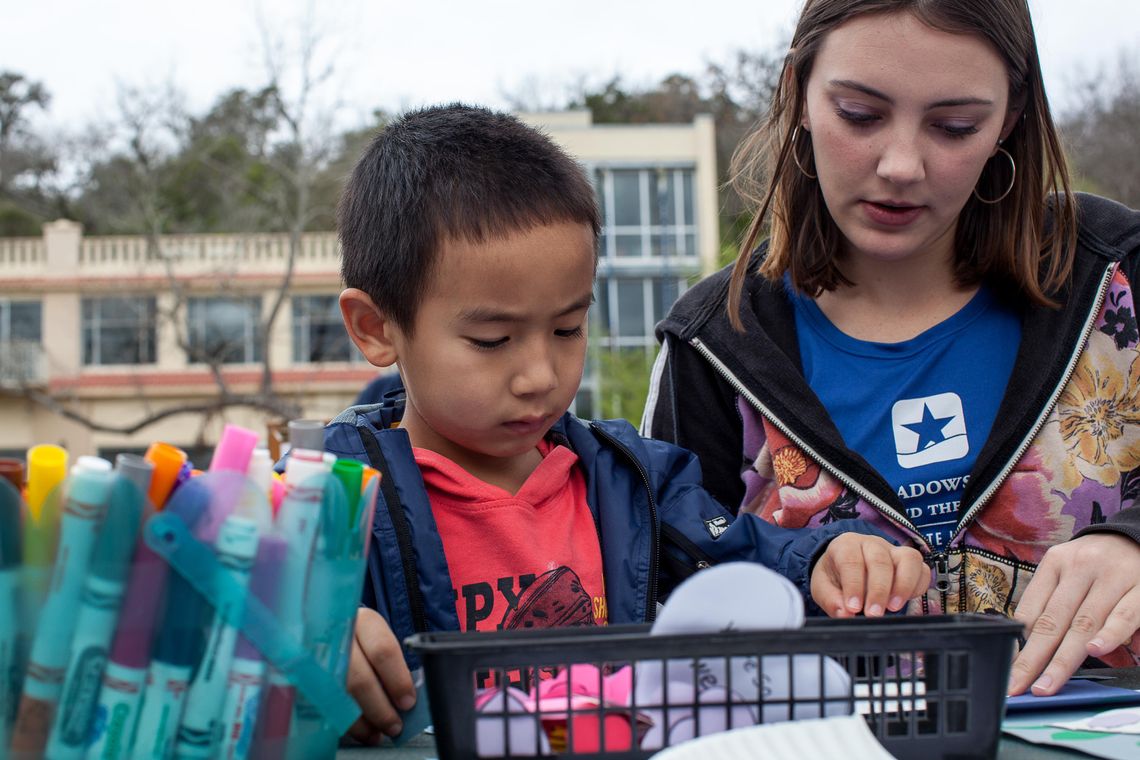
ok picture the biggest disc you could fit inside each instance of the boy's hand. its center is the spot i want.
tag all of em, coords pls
(378, 678)
(866, 573)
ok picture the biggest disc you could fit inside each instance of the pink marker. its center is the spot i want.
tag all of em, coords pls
(235, 449)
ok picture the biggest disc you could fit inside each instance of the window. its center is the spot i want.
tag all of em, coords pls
(224, 330)
(20, 321)
(627, 308)
(318, 331)
(647, 212)
(119, 330)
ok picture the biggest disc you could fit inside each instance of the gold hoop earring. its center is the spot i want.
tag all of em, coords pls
(1012, 180)
(795, 158)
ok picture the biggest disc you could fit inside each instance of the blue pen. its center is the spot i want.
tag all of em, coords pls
(10, 634)
(95, 625)
(87, 494)
(177, 647)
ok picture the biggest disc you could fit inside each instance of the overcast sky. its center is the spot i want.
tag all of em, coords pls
(394, 55)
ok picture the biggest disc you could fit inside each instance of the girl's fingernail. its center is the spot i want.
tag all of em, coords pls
(896, 603)
(1043, 683)
(1097, 643)
(854, 603)
(875, 611)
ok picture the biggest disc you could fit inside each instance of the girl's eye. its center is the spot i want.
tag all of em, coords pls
(856, 117)
(488, 345)
(573, 333)
(958, 130)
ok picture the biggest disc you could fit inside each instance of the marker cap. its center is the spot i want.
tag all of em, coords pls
(307, 434)
(47, 467)
(10, 549)
(168, 462)
(12, 470)
(111, 558)
(234, 449)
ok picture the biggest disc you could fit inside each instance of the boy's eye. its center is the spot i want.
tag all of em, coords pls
(574, 332)
(487, 345)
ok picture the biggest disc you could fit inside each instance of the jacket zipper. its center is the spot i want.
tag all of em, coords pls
(1086, 331)
(651, 599)
(938, 560)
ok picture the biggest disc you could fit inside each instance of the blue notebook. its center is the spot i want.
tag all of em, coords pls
(1076, 693)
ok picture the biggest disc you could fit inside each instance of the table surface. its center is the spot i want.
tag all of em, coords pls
(1009, 747)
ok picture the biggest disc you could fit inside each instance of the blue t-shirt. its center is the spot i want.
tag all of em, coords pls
(920, 410)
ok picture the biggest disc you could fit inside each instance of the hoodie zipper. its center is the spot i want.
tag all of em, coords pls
(1027, 441)
(937, 559)
(654, 559)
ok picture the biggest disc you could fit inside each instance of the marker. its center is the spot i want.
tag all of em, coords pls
(12, 470)
(168, 462)
(243, 695)
(307, 434)
(350, 473)
(10, 634)
(125, 675)
(47, 467)
(325, 611)
(234, 449)
(95, 623)
(87, 494)
(199, 730)
(176, 650)
(306, 473)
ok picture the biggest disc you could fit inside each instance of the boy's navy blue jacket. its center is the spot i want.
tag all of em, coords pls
(656, 524)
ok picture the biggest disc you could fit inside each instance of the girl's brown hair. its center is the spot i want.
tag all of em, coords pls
(1005, 241)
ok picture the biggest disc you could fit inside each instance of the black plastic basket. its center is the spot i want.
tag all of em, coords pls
(929, 688)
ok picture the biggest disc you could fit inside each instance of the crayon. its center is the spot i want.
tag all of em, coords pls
(239, 716)
(176, 649)
(10, 633)
(87, 494)
(102, 596)
(200, 729)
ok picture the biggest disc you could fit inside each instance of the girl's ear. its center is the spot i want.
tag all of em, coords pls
(371, 331)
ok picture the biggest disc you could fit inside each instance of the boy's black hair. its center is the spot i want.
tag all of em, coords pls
(449, 172)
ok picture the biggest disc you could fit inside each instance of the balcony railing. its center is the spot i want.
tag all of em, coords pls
(22, 364)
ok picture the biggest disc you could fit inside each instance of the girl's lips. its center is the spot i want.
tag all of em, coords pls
(891, 216)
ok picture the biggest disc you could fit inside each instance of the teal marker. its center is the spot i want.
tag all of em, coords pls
(87, 492)
(95, 623)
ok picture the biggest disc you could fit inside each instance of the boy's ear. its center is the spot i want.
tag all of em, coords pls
(370, 330)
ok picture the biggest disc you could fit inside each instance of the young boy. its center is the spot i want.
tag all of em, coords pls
(469, 243)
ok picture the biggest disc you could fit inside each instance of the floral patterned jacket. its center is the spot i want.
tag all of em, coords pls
(1063, 457)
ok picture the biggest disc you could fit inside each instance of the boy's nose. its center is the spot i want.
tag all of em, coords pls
(536, 375)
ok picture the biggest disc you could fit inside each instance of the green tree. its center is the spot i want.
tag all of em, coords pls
(623, 382)
(26, 161)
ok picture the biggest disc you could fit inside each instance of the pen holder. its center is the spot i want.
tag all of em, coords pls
(224, 631)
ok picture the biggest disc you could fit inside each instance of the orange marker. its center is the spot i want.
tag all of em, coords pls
(167, 461)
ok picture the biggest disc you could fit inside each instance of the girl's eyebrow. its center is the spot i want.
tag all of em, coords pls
(860, 87)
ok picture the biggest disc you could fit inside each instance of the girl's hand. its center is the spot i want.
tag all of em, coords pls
(1083, 600)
